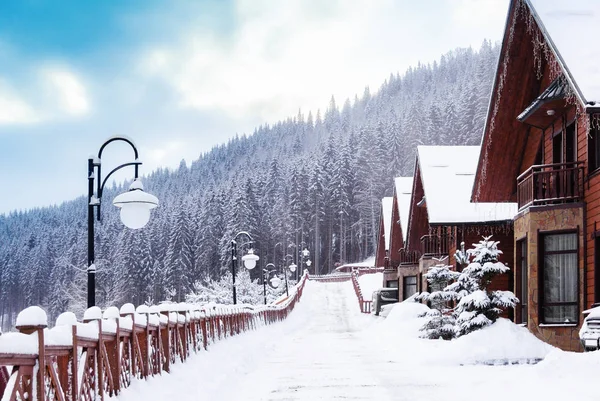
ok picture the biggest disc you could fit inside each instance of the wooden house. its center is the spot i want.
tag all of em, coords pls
(441, 216)
(390, 277)
(399, 221)
(541, 149)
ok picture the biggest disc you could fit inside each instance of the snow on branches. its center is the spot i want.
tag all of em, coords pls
(476, 306)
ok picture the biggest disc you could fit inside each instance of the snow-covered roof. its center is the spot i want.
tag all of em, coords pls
(386, 215)
(571, 28)
(403, 187)
(448, 174)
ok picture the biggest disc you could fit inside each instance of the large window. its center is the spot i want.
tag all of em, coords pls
(559, 293)
(409, 286)
(391, 283)
(594, 147)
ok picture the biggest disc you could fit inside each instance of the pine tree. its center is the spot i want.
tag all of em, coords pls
(480, 307)
(440, 318)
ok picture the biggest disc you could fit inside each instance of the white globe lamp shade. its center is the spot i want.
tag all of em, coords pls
(135, 205)
(293, 267)
(275, 282)
(308, 263)
(305, 253)
(250, 259)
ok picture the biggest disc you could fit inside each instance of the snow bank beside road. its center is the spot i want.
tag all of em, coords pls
(503, 342)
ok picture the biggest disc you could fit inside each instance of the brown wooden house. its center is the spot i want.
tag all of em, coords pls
(399, 221)
(383, 242)
(442, 215)
(541, 149)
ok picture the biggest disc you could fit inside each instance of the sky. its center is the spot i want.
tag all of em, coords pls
(181, 76)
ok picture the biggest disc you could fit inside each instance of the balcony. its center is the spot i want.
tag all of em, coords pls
(409, 257)
(550, 184)
(435, 245)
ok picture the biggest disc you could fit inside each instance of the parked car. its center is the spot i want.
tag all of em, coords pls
(589, 335)
(384, 296)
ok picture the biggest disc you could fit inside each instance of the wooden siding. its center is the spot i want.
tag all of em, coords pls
(380, 254)
(396, 240)
(418, 221)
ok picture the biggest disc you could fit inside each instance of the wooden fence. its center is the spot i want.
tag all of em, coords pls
(100, 356)
(364, 304)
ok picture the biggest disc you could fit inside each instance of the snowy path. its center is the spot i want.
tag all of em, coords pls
(327, 350)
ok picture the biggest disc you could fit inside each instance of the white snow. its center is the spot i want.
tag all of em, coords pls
(19, 343)
(93, 313)
(32, 316)
(66, 319)
(403, 189)
(328, 350)
(111, 313)
(127, 309)
(448, 173)
(386, 215)
(369, 283)
(572, 27)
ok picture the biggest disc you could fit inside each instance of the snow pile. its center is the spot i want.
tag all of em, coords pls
(369, 283)
(32, 316)
(501, 343)
(19, 343)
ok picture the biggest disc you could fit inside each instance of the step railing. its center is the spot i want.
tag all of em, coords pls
(100, 356)
(364, 304)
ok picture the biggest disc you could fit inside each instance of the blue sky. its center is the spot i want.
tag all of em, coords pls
(181, 76)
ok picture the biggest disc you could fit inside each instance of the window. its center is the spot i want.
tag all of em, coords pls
(522, 281)
(559, 286)
(594, 148)
(391, 283)
(410, 286)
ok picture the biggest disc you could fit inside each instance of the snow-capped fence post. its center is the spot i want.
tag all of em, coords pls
(32, 321)
(110, 349)
(127, 353)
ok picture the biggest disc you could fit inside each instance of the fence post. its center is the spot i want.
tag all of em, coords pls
(29, 321)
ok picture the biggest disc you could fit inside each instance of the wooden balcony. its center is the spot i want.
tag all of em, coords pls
(435, 245)
(550, 184)
(409, 257)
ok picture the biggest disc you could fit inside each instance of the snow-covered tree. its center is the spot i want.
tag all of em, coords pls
(478, 307)
(440, 318)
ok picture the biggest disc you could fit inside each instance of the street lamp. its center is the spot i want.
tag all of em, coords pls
(135, 205)
(249, 259)
(274, 282)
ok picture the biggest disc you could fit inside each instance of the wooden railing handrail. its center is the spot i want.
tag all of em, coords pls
(88, 361)
(551, 165)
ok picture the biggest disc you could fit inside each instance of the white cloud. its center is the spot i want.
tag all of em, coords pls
(288, 55)
(13, 109)
(49, 94)
(67, 90)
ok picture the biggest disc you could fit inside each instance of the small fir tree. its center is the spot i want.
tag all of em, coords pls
(440, 319)
(478, 307)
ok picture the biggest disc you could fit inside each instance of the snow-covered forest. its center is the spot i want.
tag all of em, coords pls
(317, 177)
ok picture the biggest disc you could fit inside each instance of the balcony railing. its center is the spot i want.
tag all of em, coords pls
(409, 257)
(435, 245)
(550, 184)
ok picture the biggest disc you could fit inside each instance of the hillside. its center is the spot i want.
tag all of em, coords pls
(317, 178)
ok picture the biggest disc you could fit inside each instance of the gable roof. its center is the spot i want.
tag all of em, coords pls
(448, 174)
(566, 25)
(386, 215)
(403, 188)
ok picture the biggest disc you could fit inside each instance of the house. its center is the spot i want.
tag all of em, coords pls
(541, 149)
(441, 216)
(399, 221)
(390, 277)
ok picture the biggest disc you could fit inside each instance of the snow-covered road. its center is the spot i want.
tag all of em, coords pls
(327, 350)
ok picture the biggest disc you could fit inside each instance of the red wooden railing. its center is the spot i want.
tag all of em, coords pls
(364, 304)
(550, 184)
(100, 356)
(409, 257)
(331, 278)
(435, 245)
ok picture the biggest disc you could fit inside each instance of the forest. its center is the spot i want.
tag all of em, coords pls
(313, 180)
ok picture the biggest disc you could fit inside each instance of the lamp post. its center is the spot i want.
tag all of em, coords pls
(249, 259)
(135, 205)
(265, 277)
